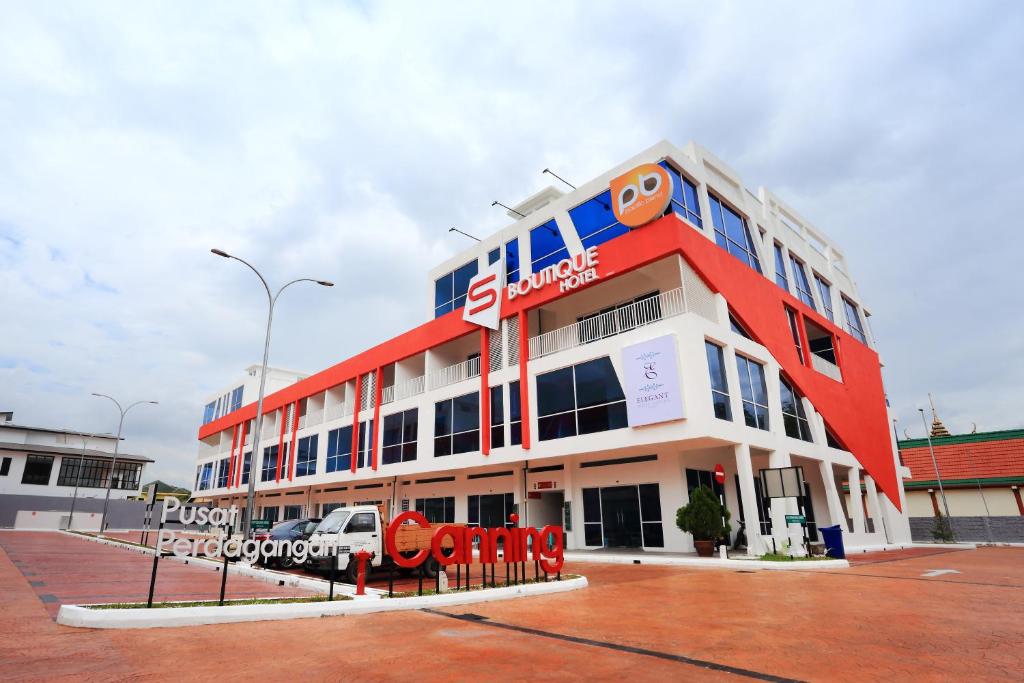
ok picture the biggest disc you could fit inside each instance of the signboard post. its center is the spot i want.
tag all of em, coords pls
(787, 482)
(720, 480)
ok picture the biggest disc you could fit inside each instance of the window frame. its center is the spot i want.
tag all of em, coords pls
(825, 292)
(722, 238)
(451, 435)
(549, 418)
(744, 371)
(404, 446)
(724, 393)
(800, 282)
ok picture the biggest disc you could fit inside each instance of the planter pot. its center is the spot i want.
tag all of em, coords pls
(705, 548)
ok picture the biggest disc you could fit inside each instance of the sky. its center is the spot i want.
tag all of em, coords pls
(341, 141)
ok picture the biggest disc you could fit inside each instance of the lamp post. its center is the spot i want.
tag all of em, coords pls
(258, 425)
(78, 476)
(117, 443)
(935, 464)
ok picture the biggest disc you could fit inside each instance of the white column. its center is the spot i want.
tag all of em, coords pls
(574, 538)
(875, 509)
(835, 507)
(856, 506)
(748, 494)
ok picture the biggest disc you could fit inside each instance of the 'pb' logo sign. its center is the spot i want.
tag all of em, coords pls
(483, 298)
(641, 194)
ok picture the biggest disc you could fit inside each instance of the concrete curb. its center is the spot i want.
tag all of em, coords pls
(237, 569)
(83, 617)
(704, 562)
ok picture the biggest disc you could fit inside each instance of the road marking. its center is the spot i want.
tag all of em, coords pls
(939, 572)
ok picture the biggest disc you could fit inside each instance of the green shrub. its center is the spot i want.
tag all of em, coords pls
(941, 530)
(702, 516)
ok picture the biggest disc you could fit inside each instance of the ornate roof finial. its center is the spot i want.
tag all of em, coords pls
(938, 429)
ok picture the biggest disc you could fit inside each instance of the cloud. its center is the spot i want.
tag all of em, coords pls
(341, 142)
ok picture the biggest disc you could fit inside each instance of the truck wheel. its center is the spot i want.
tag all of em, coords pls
(429, 568)
(352, 571)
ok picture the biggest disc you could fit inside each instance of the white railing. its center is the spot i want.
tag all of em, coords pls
(410, 387)
(311, 419)
(826, 368)
(338, 410)
(622, 319)
(387, 394)
(454, 373)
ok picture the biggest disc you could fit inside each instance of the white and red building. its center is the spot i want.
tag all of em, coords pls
(622, 340)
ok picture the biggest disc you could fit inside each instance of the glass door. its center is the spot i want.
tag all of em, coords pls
(620, 515)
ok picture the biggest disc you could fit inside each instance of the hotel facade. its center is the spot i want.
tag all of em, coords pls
(591, 364)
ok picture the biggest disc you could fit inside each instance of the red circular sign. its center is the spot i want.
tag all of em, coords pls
(719, 474)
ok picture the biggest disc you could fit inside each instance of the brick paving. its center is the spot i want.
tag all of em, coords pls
(878, 620)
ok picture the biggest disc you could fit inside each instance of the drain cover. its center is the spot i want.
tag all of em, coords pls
(469, 616)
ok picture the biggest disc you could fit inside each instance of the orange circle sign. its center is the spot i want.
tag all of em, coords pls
(641, 194)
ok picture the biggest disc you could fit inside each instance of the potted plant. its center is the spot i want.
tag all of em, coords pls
(704, 518)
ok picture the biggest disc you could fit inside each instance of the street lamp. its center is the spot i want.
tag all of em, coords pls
(935, 464)
(117, 443)
(258, 426)
(78, 475)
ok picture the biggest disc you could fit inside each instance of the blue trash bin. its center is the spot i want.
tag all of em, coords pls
(833, 537)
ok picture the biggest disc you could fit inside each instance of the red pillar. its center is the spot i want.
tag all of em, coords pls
(231, 461)
(295, 436)
(524, 381)
(377, 389)
(355, 424)
(241, 454)
(280, 442)
(485, 391)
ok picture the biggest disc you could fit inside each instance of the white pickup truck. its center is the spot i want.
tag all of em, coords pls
(362, 528)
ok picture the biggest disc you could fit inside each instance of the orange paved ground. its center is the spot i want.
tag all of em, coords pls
(878, 620)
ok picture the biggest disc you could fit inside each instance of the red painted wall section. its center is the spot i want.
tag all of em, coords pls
(485, 391)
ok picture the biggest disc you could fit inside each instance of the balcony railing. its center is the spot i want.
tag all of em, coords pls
(622, 319)
(311, 419)
(397, 392)
(826, 368)
(338, 410)
(454, 373)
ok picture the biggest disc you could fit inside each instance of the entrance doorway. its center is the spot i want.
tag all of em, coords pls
(623, 516)
(490, 510)
(544, 508)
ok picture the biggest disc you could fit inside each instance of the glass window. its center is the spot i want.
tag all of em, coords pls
(650, 516)
(825, 291)
(853, 325)
(400, 432)
(512, 261)
(754, 392)
(732, 234)
(236, 399)
(497, 418)
(794, 328)
(546, 246)
(719, 381)
(246, 466)
(5, 466)
(365, 442)
(515, 416)
(793, 416)
(595, 221)
(292, 511)
(780, 267)
(457, 425)
(222, 472)
(803, 286)
(208, 412)
(580, 399)
(437, 510)
(268, 470)
(205, 475)
(37, 469)
(339, 449)
(684, 196)
(305, 461)
(493, 256)
(362, 522)
(450, 289)
(84, 472)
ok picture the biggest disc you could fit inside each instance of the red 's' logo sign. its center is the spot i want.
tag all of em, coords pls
(483, 297)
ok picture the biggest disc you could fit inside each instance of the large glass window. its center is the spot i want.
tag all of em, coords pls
(684, 196)
(205, 476)
(399, 437)
(515, 415)
(853, 324)
(87, 472)
(306, 452)
(493, 256)
(546, 246)
(246, 466)
(490, 510)
(719, 382)
(37, 469)
(780, 267)
(580, 399)
(497, 418)
(794, 329)
(222, 472)
(457, 425)
(339, 449)
(595, 221)
(236, 399)
(365, 442)
(512, 261)
(450, 289)
(208, 412)
(126, 475)
(793, 416)
(437, 510)
(803, 286)
(825, 291)
(754, 392)
(268, 470)
(732, 234)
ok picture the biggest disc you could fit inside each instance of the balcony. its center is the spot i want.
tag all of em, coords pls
(623, 319)
(826, 368)
(338, 410)
(403, 390)
(454, 374)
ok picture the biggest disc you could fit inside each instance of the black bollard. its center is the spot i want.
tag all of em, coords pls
(156, 559)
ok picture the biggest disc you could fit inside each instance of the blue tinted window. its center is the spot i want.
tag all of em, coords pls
(305, 462)
(205, 475)
(581, 399)
(222, 473)
(512, 261)
(246, 466)
(803, 287)
(731, 233)
(825, 290)
(236, 399)
(208, 412)
(684, 196)
(719, 381)
(546, 246)
(399, 433)
(780, 268)
(753, 392)
(853, 325)
(450, 289)
(515, 417)
(493, 256)
(339, 449)
(457, 425)
(269, 468)
(595, 221)
(443, 294)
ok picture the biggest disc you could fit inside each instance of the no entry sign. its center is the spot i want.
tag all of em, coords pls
(719, 474)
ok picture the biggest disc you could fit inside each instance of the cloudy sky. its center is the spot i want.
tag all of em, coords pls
(341, 141)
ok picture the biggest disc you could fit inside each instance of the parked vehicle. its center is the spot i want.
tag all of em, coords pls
(290, 530)
(362, 528)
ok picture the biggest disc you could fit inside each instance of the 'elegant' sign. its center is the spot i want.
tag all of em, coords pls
(653, 393)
